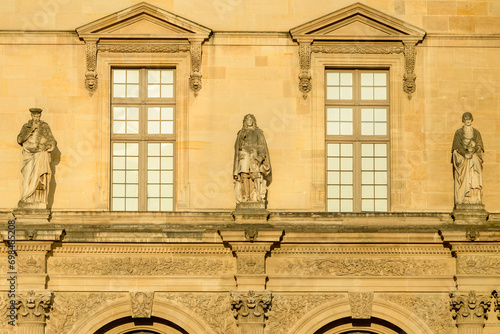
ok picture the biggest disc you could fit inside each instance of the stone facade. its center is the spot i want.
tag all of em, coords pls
(288, 267)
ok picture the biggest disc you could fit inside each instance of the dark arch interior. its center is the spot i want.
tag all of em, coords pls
(139, 322)
(360, 323)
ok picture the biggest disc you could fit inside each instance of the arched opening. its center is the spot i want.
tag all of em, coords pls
(360, 326)
(129, 325)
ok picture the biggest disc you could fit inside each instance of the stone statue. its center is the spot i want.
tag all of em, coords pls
(252, 167)
(37, 142)
(467, 159)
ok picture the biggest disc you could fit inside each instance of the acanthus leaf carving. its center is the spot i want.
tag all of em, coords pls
(213, 308)
(251, 306)
(469, 307)
(432, 309)
(141, 266)
(34, 305)
(361, 304)
(68, 308)
(288, 309)
(141, 304)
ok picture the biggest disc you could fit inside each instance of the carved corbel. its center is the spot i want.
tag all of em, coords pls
(469, 309)
(251, 307)
(195, 77)
(410, 53)
(305, 68)
(91, 74)
(141, 304)
(33, 306)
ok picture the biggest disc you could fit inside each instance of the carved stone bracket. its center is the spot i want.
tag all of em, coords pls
(305, 68)
(469, 309)
(141, 304)
(251, 308)
(195, 77)
(33, 306)
(361, 304)
(91, 74)
(409, 78)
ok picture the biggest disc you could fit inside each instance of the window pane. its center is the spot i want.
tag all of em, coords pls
(367, 178)
(153, 204)
(167, 149)
(133, 127)
(167, 76)
(153, 128)
(167, 204)
(381, 205)
(118, 149)
(346, 79)
(380, 129)
(133, 76)
(333, 163)
(118, 204)
(153, 113)
(132, 190)
(367, 129)
(132, 149)
(333, 178)
(380, 178)
(366, 93)
(167, 177)
(346, 205)
(333, 93)
(380, 79)
(132, 113)
(131, 204)
(153, 163)
(153, 76)
(167, 114)
(333, 205)
(119, 76)
(346, 164)
(118, 90)
(132, 90)
(346, 129)
(345, 93)
(367, 191)
(332, 79)
(333, 128)
(118, 162)
(346, 150)
(118, 176)
(153, 90)
(119, 190)
(367, 205)
(167, 91)
(380, 93)
(380, 115)
(153, 190)
(333, 150)
(366, 79)
(167, 127)
(333, 114)
(153, 176)
(119, 127)
(154, 149)
(119, 113)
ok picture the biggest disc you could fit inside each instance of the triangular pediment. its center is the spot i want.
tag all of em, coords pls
(143, 21)
(357, 22)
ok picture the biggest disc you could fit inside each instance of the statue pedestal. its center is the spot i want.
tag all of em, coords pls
(32, 216)
(250, 211)
(469, 214)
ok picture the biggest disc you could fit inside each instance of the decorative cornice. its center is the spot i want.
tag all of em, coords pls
(251, 306)
(34, 306)
(141, 304)
(483, 265)
(33, 247)
(250, 247)
(469, 308)
(313, 249)
(99, 249)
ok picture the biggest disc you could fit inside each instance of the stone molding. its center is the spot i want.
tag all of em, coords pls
(251, 307)
(361, 304)
(141, 266)
(144, 48)
(359, 267)
(34, 306)
(33, 247)
(141, 304)
(475, 248)
(470, 308)
(99, 249)
(361, 250)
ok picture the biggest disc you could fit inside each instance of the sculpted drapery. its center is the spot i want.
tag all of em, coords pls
(37, 141)
(467, 159)
(252, 167)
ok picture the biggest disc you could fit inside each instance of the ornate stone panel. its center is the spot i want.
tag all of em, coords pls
(478, 265)
(289, 308)
(141, 304)
(69, 307)
(361, 304)
(213, 308)
(141, 266)
(433, 309)
(359, 267)
(31, 264)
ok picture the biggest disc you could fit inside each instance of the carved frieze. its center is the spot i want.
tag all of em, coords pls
(358, 267)
(33, 306)
(361, 304)
(5, 312)
(213, 308)
(432, 309)
(357, 49)
(141, 304)
(469, 307)
(288, 309)
(478, 265)
(68, 308)
(251, 306)
(141, 266)
(144, 48)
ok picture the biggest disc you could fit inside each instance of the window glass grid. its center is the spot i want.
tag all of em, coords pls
(160, 176)
(368, 117)
(125, 83)
(125, 176)
(340, 177)
(339, 86)
(160, 83)
(143, 180)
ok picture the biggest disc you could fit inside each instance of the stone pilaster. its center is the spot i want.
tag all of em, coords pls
(470, 311)
(33, 309)
(251, 310)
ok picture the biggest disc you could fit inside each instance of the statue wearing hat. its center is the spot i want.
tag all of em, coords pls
(37, 142)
